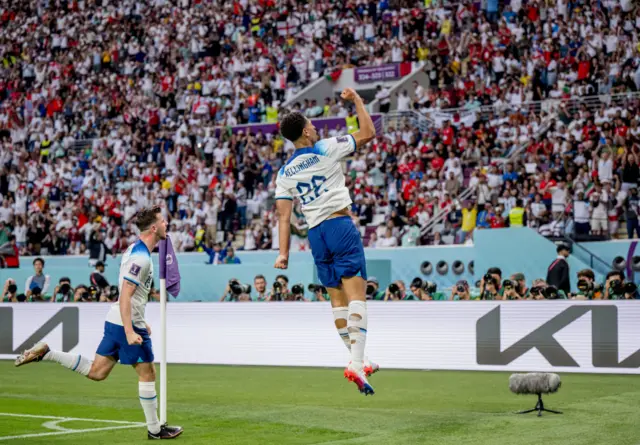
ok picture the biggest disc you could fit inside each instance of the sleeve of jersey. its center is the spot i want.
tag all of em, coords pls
(135, 269)
(282, 192)
(338, 147)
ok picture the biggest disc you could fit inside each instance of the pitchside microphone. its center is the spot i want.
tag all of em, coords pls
(537, 383)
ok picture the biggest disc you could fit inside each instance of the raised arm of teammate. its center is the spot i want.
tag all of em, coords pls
(284, 208)
(367, 131)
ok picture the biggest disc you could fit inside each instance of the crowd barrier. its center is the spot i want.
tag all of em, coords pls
(559, 336)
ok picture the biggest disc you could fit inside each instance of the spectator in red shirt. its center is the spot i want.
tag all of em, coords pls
(545, 188)
(10, 254)
(408, 186)
(448, 134)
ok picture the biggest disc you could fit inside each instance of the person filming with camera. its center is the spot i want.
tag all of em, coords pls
(319, 292)
(280, 289)
(395, 292)
(417, 291)
(614, 286)
(373, 291)
(540, 290)
(588, 289)
(489, 288)
(297, 293)
(631, 291)
(236, 291)
(462, 292)
(85, 294)
(515, 288)
(63, 292)
(425, 290)
(10, 292)
(492, 277)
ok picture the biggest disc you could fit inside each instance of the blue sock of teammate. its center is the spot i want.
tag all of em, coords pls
(74, 362)
(357, 328)
(149, 402)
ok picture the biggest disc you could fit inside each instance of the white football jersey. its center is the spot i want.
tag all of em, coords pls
(137, 268)
(314, 175)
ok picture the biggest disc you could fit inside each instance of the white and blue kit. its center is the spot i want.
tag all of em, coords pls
(137, 268)
(314, 175)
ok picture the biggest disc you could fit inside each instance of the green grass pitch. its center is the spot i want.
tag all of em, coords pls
(264, 405)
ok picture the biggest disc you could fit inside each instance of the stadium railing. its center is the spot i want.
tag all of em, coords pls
(593, 103)
(81, 144)
(412, 117)
(469, 191)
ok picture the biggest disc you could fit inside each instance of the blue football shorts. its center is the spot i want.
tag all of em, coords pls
(114, 344)
(337, 251)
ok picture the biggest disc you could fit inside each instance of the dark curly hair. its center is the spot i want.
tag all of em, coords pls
(147, 217)
(291, 126)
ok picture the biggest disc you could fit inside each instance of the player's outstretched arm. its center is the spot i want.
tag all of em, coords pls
(367, 131)
(284, 208)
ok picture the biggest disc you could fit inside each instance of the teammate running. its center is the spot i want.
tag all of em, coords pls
(314, 175)
(126, 334)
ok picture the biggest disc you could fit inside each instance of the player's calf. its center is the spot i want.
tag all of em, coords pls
(149, 398)
(41, 351)
(357, 328)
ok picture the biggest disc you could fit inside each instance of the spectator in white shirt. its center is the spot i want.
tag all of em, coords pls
(599, 214)
(20, 232)
(404, 101)
(250, 236)
(558, 198)
(6, 212)
(388, 240)
(581, 213)
(211, 221)
(383, 96)
(605, 168)
(373, 240)
(537, 207)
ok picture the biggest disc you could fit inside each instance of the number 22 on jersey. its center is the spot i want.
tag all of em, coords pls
(309, 192)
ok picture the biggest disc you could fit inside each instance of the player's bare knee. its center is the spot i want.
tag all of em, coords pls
(148, 377)
(147, 373)
(97, 375)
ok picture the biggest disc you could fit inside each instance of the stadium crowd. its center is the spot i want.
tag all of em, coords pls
(147, 82)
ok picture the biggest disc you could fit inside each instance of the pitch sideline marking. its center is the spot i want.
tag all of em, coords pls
(53, 424)
(60, 433)
(33, 416)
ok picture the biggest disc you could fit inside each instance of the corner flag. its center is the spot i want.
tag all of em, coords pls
(169, 282)
(169, 267)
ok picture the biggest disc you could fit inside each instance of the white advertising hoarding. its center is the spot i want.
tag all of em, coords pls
(562, 336)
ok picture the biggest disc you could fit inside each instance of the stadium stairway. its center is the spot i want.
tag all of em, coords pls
(590, 259)
(495, 247)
